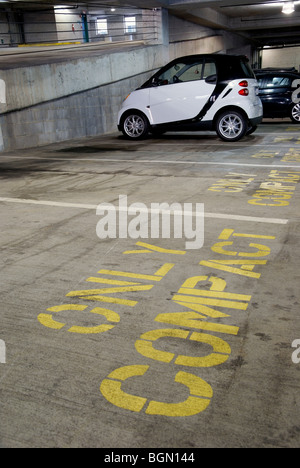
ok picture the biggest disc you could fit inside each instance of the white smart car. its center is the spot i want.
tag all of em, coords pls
(198, 92)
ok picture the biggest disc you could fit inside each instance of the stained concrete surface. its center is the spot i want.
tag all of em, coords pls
(50, 383)
(35, 55)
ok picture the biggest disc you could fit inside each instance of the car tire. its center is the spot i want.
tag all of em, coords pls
(157, 133)
(135, 125)
(251, 129)
(295, 113)
(231, 126)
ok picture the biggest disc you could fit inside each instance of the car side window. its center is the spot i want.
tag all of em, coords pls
(191, 72)
(167, 77)
(209, 69)
(181, 72)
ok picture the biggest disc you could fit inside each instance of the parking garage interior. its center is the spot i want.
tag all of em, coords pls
(136, 344)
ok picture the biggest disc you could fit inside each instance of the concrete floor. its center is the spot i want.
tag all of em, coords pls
(86, 362)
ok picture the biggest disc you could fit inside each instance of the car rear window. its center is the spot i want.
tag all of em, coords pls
(247, 70)
(235, 68)
(277, 82)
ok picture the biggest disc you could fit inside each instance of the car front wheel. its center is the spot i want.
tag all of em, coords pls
(231, 126)
(135, 126)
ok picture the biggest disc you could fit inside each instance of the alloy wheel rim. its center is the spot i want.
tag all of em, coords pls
(296, 112)
(134, 126)
(231, 126)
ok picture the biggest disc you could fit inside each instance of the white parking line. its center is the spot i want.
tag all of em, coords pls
(94, 207)
(253, 219)
(48, 203)
(200, 163)
(157, 161)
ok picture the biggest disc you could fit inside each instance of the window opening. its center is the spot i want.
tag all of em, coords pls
(101, 26)
(130, 24)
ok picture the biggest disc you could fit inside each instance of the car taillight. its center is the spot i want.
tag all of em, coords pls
(244, 84)
(244, 92)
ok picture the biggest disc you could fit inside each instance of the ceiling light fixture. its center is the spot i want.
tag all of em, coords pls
(288, 8)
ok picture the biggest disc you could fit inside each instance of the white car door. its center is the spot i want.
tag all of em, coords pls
(181, 92)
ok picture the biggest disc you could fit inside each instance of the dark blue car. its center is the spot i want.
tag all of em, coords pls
(279, 94)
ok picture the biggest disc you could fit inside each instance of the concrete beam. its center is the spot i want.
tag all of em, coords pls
(206, 17)
(209, 3)
(254, 23)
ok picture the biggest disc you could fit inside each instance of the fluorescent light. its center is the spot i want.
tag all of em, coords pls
(288, 8)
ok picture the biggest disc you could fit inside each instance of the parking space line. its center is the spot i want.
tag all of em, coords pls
(253, 219)
(94, 207)
(48, 203)
(162, 161)
(200, 163)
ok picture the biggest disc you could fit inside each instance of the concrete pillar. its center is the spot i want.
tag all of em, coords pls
(2, 101)
(165, 27)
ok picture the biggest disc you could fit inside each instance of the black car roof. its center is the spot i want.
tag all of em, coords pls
(214, 56)
(277, 73)
(224, 62)
(277, 69)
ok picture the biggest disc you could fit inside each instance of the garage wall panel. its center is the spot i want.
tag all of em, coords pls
(284, 57)
(83, 114)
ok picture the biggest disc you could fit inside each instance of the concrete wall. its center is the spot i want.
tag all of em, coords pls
(30, 86)
(45, 116)
(68, 26)
(4, 30)
(189, 38)
(10, 31)
(285, 57)
(39, 27)
(87, 113)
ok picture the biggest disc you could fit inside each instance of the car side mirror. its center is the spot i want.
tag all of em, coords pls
(157, 82)
(211, 79)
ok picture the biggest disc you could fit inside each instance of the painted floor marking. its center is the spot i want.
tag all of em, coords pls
(117, 208)
(155, 161)
(253, 219)
(202, 163)
(159, 161)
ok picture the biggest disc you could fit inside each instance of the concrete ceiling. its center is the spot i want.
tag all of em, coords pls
(262, 22)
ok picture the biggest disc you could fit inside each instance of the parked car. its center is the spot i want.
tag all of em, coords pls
(198, 92)
(277, 91)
